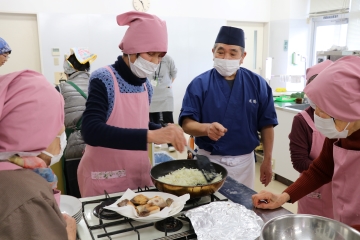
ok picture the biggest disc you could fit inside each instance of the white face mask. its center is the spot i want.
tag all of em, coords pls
(311, 103)
(142, 68)
(326, 126)
(226, 67)
(56, 158)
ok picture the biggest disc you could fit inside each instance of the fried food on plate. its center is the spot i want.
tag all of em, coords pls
(125, 202)
(157, 201)
(139, 200)
(145, 206)
(169, 201)
(146, 210)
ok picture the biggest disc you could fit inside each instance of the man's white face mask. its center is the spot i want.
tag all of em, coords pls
(142, 68)
(226, 67)
(63, 143)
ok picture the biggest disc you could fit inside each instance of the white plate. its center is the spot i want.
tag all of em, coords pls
(70, 205)
(130, 212)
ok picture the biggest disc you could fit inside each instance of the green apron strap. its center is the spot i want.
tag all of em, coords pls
(78, 89)
(78, 124)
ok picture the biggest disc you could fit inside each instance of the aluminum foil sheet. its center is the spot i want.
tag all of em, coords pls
(225, 221)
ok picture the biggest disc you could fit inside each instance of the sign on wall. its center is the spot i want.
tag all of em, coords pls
(286, 46)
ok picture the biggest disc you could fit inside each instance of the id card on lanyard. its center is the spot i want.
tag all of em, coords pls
(155, 80)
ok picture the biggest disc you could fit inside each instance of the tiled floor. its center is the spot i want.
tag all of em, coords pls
(274, 186)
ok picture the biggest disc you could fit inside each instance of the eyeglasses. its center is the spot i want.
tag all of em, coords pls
(7, 56)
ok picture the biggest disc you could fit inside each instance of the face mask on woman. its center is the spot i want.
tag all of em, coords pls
(142, 68)
(226, 67)
(56, 158)
(311, 104)
(326, 126)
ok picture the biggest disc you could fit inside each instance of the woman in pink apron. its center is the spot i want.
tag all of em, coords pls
(115, 123)
(31, 139)
(306, 143)
(336, 94)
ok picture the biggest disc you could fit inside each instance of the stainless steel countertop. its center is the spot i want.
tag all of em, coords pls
(283, 106)
(239, 193)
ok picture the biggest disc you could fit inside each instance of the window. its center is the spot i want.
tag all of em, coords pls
(328, 31)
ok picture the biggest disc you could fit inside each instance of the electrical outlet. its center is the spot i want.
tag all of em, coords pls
(56, 61)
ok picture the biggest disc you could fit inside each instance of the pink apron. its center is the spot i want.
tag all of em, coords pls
(318, 202)
(116, 170)
(5, 166)
(345, 185)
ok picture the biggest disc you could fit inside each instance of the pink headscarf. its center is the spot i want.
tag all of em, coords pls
(31, 113)
(146, 33)
(316, 69)
(336, 90)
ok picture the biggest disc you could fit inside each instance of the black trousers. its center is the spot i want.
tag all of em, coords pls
(161, 118)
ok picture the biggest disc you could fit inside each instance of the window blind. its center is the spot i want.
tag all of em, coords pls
(325, 7)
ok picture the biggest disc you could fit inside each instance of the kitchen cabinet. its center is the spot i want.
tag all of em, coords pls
(282, 165)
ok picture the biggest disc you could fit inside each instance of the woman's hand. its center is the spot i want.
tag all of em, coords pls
(268, 200)
(169, 134)
(70, 226)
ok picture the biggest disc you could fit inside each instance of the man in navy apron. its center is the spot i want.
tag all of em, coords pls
(226, 107)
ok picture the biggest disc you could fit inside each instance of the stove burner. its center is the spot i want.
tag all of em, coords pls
(193, 201)
(105, 214)
(169, 224)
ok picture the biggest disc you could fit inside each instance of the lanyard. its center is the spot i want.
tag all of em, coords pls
(157, 75)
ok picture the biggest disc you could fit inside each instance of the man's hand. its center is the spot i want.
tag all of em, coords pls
(267, 137)
(266, 172)
(70, 226)
(268, 200)
(215, 131)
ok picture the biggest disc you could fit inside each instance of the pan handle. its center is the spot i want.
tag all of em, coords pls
(191, 150)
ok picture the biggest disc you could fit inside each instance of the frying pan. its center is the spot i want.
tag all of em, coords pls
(195, 191)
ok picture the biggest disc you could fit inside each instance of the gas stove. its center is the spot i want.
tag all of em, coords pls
(99, 223)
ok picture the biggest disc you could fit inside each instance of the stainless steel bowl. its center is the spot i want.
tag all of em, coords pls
(306, 227)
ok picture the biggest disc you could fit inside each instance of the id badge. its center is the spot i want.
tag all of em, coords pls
(154, 82)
